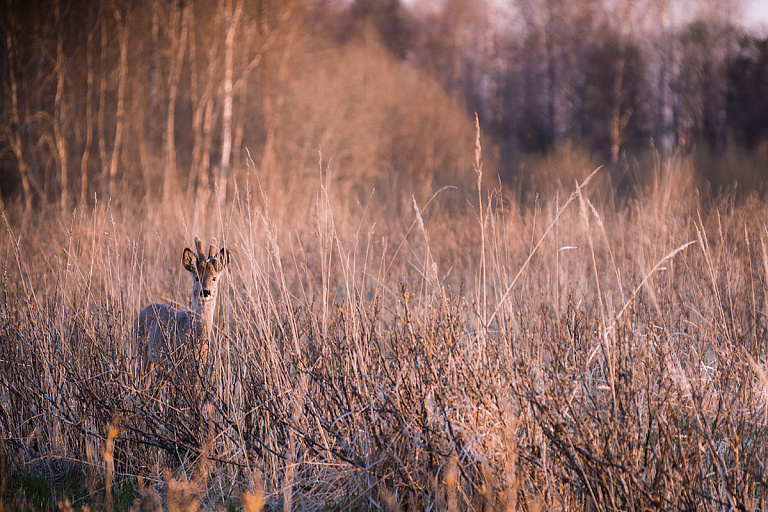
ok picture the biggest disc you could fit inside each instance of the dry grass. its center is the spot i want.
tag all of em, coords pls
(567, 354)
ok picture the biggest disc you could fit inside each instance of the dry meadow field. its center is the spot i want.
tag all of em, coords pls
(468, 351)
(484, 255)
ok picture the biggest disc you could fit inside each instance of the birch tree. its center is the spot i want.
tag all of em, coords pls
(89, 81)
(620, 115)
(60, 112)
(231, 21)
(178, 34)
(15, 139)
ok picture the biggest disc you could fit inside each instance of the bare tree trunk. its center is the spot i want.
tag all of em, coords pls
(146, 118)
(101, 126)
(142, 119)
(15, 139)
(209, 115)
(231, 21)
(620, 117)
(194, 94)
(120, 114)
(202, 117)
(267, 159)
(88, 117)
(60, 112)
(662, 89)
(179, 27)
(268, 155)
(241, 89)
(154, 89)
(551, 75)
(269, 124)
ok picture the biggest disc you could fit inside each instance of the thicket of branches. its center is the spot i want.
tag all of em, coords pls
(563, 356)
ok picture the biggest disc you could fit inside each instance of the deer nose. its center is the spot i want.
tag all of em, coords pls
(206, 293)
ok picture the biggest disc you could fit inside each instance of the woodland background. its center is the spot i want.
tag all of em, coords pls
(161, 96)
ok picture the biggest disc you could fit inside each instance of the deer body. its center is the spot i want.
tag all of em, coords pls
(166, 334)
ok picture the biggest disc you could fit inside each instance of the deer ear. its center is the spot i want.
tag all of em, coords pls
(189, 260)
(223, 260)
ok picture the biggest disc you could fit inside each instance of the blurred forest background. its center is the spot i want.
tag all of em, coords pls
(521, 343)
(152, 98)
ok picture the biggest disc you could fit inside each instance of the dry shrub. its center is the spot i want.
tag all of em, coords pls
(557, 170)
(381, 124)
(253, 501)
(148, 500)
(734, 169)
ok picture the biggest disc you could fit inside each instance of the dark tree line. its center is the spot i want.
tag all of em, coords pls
(747, 94)
(168, 94)
(606, 75)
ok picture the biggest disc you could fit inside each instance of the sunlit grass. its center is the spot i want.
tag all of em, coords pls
(573, 352)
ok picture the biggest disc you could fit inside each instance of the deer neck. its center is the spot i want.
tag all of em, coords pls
(202, 322)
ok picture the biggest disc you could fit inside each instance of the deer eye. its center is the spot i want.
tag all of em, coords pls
(214, 278)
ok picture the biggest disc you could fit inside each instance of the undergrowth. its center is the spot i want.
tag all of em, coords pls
(474, 352)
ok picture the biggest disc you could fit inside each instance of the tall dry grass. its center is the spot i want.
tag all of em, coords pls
(562, 354)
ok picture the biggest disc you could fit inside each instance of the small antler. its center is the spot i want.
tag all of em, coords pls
(199, 246)
(212, 249)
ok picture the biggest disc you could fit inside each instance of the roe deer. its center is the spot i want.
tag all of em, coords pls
(165, 334)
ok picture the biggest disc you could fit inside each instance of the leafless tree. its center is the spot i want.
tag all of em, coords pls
(15, 138)
(231, 22)
(178, 28)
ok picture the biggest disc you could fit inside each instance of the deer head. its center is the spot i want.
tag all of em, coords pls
(205, 271)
